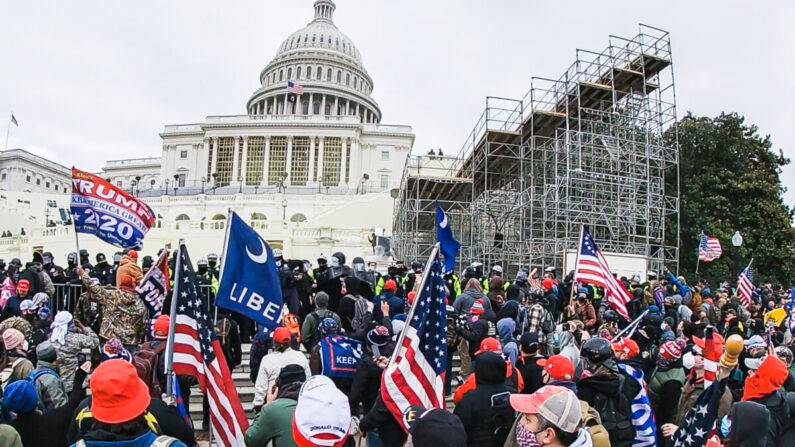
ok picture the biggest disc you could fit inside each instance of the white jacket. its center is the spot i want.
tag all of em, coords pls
(270, 368)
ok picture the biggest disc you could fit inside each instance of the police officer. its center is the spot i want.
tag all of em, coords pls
(393, 273)
(102, 271)
(412, 277)
(84, 260)
(212, 265)
(321, 273)
(207, 282)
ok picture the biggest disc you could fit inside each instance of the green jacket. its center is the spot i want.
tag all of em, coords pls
(273, 424)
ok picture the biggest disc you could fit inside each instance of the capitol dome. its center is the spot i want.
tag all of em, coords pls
(326, 64)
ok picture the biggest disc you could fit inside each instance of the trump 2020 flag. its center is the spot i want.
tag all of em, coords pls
(108, 212)
(249, 281)
(444, 234)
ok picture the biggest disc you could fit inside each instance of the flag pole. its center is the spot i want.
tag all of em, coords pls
(576, 261)
(425, 275)
(698, 259)
(223, 260)
(8, 131)
(172, 323)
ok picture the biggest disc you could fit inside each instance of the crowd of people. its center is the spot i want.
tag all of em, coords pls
(538, 360)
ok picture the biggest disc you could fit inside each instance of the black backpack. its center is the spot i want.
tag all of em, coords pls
(318, 320)
(503, 418)
(616, 415)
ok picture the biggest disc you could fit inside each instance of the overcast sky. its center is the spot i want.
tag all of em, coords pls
(95, 80)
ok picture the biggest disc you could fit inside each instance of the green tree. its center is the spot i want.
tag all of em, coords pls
(729, 181)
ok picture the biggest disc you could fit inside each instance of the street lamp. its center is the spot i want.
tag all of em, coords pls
(132, 187)
(240, 180)
(282, 180)
(137, 185)
(166, 182)
(176, 183)
(215, 181)
(204, 180)
(284, 210)
(363, 183)
(319, 183)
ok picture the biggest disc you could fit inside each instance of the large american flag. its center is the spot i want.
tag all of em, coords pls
(415, 376)
(197, 352)
(592, 268)
(700, 420)
(294, 88)
(745, 286)
(709, 248)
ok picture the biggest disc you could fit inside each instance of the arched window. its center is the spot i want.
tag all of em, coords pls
(258, 216)
(313, 38)
(298, 73)
(339, 77)
(319, 73)
(321, 38)
(308, 72)
(348, 79)
(281, 75)
(328, 74)
(355, 82)
(183, 217)
(338, 44)
(299, 40)
(290, 73)
(297, 217)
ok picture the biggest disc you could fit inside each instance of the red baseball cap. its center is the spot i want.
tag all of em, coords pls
(161, 326)
(118, 395)
(490, 344)
(23, 284)
(133, 254)
(558, 367)
(390, 285)
(281, 335)
(627, 345)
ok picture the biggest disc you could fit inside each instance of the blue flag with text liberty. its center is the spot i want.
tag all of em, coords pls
(250, 281)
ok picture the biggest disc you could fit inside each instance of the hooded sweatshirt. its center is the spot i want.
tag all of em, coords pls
(128, 267)
(750, 422)
(765, 387)
(505, 329)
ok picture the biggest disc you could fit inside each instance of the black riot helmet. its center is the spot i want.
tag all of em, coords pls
(597, 350)
(610, 316)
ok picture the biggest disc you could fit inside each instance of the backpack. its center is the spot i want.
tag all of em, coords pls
(592, 423)
(146, 364)
(318, 320)
(7, 374)
(34, 376)
(360, 309)
(547, 323)
(502, 421)
(616, 415)
(160, 441)
(492, 329)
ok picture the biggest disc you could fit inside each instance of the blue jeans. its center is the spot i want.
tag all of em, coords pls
(373, 440)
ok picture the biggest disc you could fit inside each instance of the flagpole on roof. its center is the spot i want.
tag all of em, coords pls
(172, 323)
(8, 129)
(425, 275)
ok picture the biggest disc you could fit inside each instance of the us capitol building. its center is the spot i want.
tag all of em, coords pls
(312, 172)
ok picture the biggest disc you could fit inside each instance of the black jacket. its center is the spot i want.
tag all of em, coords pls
(390, 432)
(750, 422)
(104, 273)
(50, 428)
(779, 415)
(486, 411)
(531, 373)
(474, 334)
(32, 275)
(607, 387)
(366, 385)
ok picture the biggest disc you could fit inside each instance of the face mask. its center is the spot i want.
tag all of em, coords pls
(308, 267)
(335, 262)
(371, 268)
(278, 263)
(525, 438)
(212, 264)
(202, 269)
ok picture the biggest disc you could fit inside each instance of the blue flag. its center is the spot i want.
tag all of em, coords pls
(444, 234)
(180, 402)
(250, 282)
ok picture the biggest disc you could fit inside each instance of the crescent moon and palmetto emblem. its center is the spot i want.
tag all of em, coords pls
(262, 257)
(443, 223)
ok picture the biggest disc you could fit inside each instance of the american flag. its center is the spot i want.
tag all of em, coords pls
(745, 286)
(415, 375)
(592, 268)
(700, 420)
(14, 120)
(709, 249)
(197, 352)
(294, 88)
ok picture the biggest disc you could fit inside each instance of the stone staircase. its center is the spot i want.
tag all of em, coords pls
(245, 389)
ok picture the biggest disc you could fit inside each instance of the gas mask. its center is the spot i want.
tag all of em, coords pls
(358, 267)
(335, 262)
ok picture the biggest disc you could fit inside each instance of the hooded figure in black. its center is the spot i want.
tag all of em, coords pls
(366, 287)
(486, 411)
(337, 271)
(750, 424)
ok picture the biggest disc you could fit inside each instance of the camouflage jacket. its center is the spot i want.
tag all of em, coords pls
(18, 323)
(77, 341)
(124, 315)
(88, 311)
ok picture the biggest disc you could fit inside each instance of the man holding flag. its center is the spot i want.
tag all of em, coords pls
(249, 277)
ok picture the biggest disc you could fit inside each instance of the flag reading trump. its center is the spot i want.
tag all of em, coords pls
(249, 279)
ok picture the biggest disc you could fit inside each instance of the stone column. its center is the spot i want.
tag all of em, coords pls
(311, 105)
(323, 105)
(320, 160)
(286, 103)
(235, 161)
(214, 161)
(205, 154)
(356, 173)
(289, 160)
(266, 156)
(345, 144)
(312, 177)
(245, 158)
(336, 105)
(347, 107)
(357, 112)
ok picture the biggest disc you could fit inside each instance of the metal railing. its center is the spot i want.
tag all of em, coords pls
(67, 295)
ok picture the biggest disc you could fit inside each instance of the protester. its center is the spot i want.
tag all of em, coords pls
(272, 424)
(321, 416)
(124, 314)
(49, 387)
(435, 428)
(310, 331)
(71, 340)
(528, 363)
(549, 417)
(128, 267)
(273, 363)
(14, 364)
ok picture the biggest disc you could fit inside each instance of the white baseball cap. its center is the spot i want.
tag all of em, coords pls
(558, 405)
(322, 415)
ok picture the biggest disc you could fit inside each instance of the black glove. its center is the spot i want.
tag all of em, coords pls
(257, 409)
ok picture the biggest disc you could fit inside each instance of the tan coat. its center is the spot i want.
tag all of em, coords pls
(127, 266)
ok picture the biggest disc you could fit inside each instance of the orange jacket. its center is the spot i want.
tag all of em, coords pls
(127, 266)
(469, 383)
(770, 376)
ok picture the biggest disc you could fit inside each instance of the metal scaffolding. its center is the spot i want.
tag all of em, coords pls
(586, 148)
